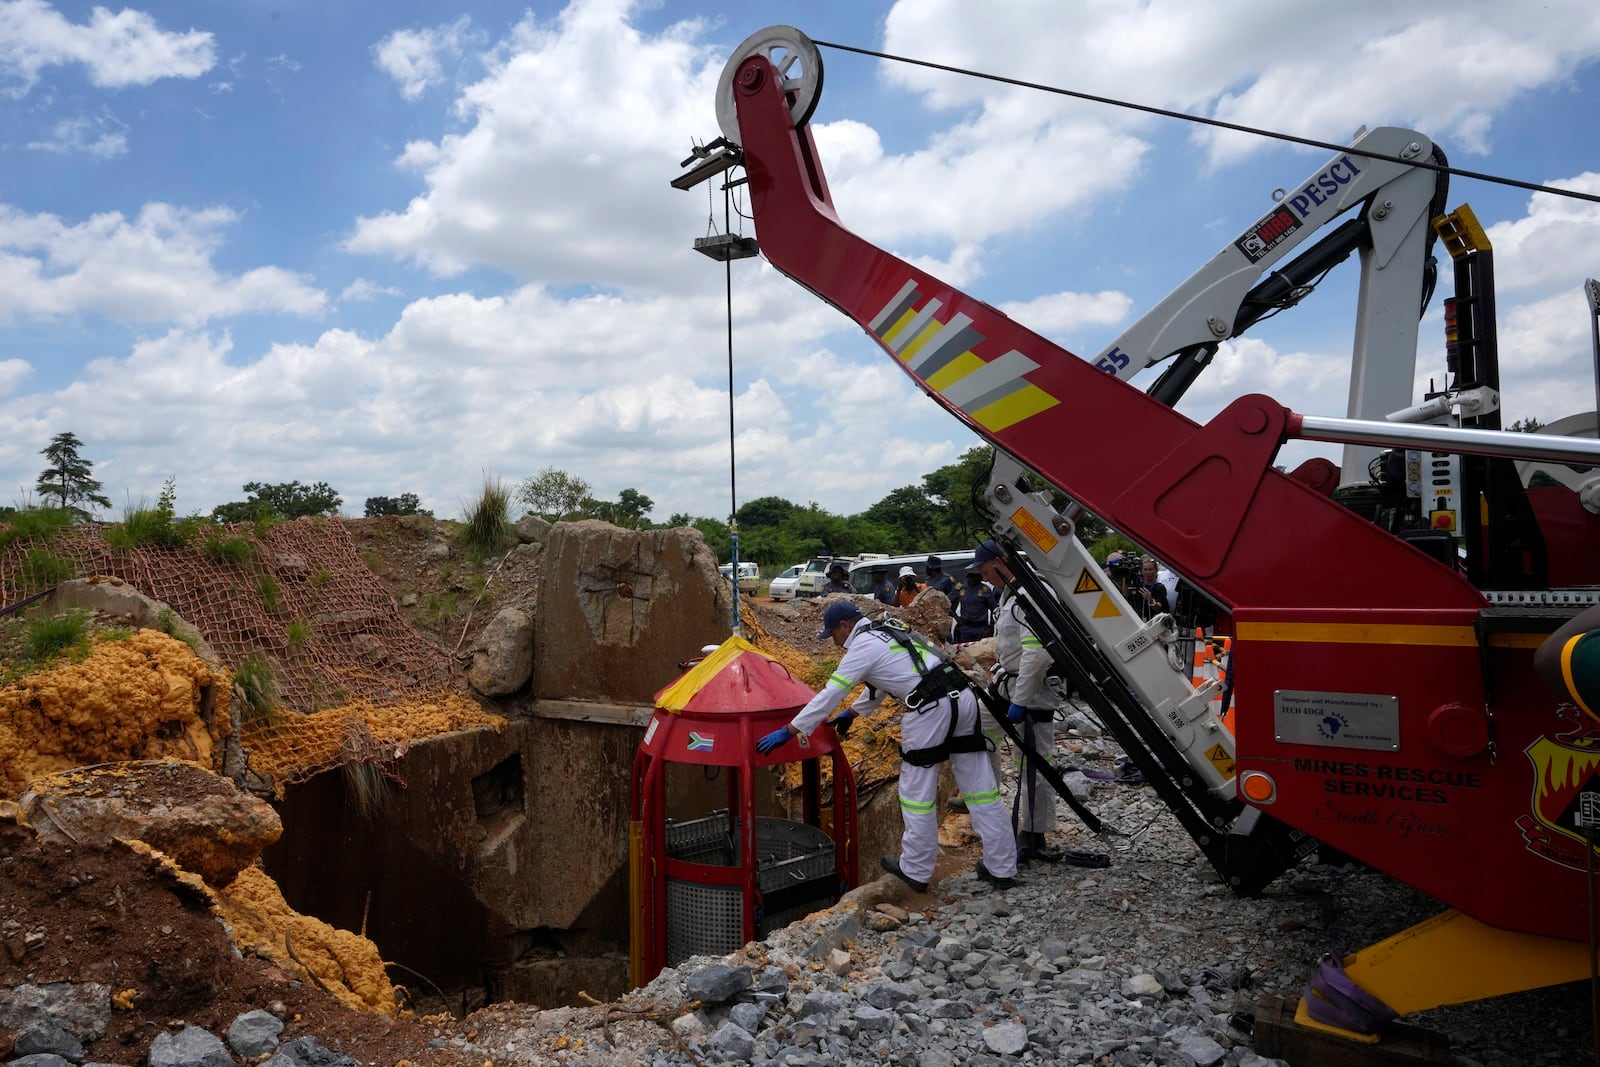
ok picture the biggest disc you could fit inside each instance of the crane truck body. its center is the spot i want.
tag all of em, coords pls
(1387, 704)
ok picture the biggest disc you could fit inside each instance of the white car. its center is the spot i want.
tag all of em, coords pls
(749, 576)
(784, 586)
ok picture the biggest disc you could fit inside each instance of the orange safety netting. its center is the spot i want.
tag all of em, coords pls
(303, 601)
(352, 681)
(293, 748)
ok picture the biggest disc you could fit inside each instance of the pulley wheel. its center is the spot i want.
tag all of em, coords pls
(798, 63)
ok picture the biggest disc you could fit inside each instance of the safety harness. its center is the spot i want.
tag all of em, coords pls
(939, 681)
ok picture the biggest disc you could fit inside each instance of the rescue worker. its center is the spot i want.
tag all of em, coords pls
(882, 588)
(1032, 705)
(933, 729)
(938, 579)
(838, 580)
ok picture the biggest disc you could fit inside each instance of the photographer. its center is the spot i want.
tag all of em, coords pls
(1123, 571)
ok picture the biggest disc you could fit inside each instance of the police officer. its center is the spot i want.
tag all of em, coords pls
(838, 580)
(883, 590)
(1033, 705)
(938, 579)
(882, 660)
(974, 609)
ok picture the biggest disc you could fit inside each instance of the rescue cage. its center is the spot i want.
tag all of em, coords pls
(795, 871)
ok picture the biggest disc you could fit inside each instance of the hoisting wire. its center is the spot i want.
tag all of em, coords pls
(1420, 164)
(733, 482)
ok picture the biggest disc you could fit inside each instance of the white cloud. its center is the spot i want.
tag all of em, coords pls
(118, 49)
(366, 289)
(12, 374)
(624, 392)
(155, 268)
(1302, 67)
(947, 190)
(1540, 249)
(561, 174)
(415, 58)
(607, 355)
(102, 137)
(1063, 315)
(1547, 360)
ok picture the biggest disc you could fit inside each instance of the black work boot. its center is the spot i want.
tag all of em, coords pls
(993, 879)
(892, 865)
(1032, 846)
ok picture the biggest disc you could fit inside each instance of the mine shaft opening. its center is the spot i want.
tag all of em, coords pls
(350, 856)
(361, 851)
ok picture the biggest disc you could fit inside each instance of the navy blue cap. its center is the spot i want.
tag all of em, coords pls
(935, 563)
(985, 551)
(839, 611)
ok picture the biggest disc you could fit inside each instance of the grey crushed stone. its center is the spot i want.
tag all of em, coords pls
(1150, 961)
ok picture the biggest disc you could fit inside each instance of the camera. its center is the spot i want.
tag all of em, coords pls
(1123, 569)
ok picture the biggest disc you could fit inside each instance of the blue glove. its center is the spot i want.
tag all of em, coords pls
(1016, 713)
(842, 722)
(772, 740)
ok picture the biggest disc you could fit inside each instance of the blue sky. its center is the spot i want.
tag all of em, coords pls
(368, 245)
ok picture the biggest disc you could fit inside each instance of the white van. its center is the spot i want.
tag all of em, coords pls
(956, 565)
(749, 576)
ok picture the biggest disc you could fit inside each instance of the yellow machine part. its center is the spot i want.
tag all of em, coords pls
(1452, 959)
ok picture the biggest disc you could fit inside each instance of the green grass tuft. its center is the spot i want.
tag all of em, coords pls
(145, 527)
(47, 637)
(270, 592)
(42, 523)
(42, 568)
(257, 691)
(488, 530)
(366, 788)
(225, 548)
(441, 607)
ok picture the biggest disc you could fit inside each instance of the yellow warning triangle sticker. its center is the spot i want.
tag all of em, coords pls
(1220, 760)
(1086, 583)
(1105, 609)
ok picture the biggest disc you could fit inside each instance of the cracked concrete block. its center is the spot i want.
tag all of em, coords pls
(620, 609)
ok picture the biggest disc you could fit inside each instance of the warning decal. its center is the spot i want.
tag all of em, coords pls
(1106, 609)
(1086, 583)
(1221, 760)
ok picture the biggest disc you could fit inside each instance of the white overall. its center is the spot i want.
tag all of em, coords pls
(886, 666)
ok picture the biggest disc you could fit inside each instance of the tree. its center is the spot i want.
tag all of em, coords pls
(404, 504)
(1527, 425)
(68, 479)
(553, 493)
(285, 500)
(765, 511)
(633, 506)
(951, 486)
(716, 534)
(909, 517)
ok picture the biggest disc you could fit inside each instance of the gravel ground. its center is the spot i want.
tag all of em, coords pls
(1150, 961)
